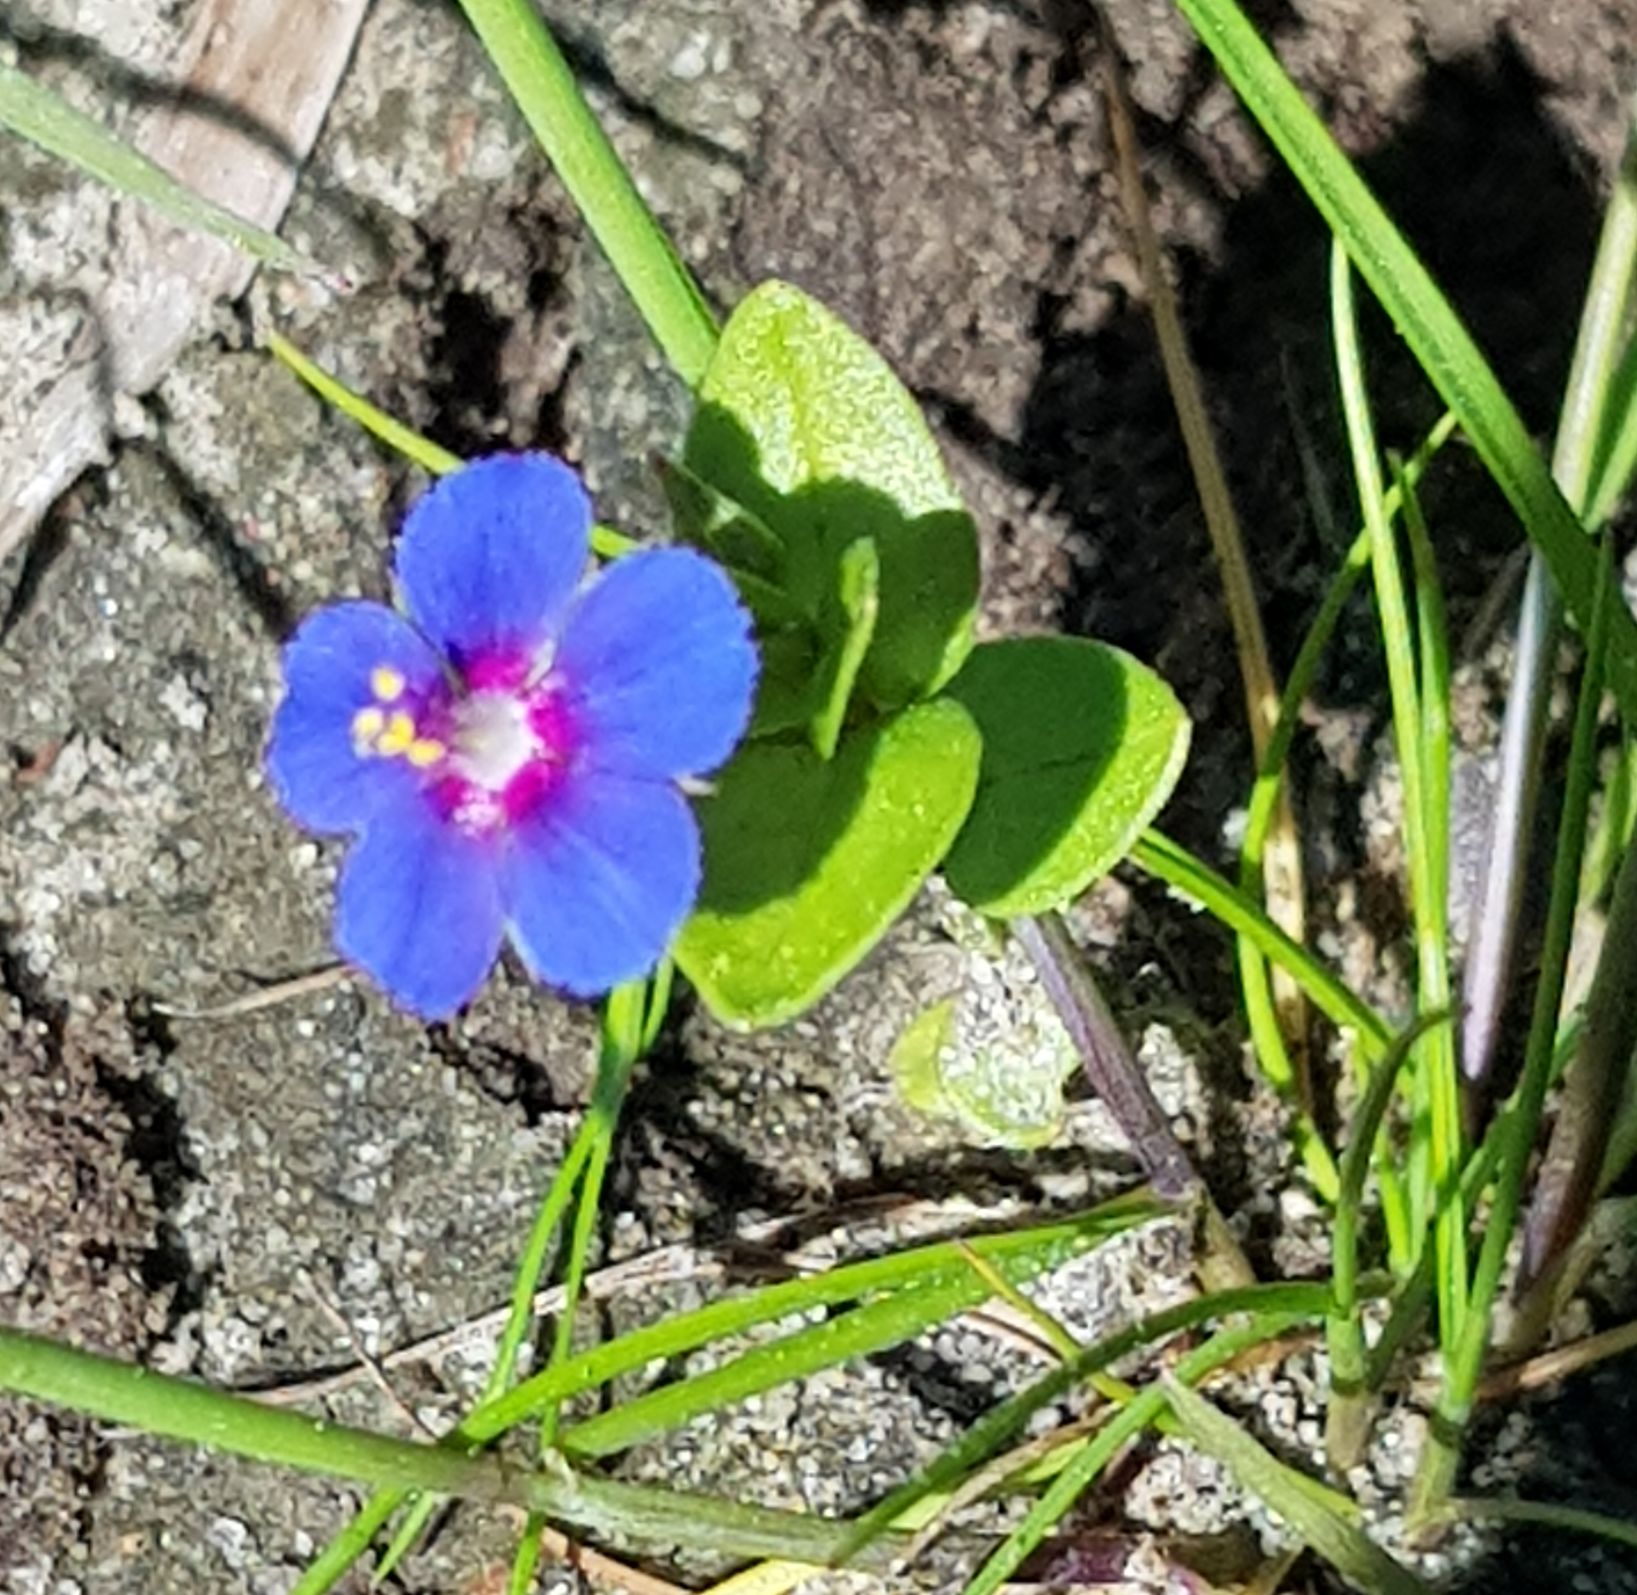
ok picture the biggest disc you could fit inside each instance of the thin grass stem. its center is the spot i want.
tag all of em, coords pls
(1436, 1075)
(1514, 1136)
(45, 118)
(1347, 1418)
(542, 83)
(1122, 1428)
(1168, 860)
(1582, 446)
(1281, 1033)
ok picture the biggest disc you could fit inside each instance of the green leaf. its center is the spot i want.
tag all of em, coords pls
(1081, 748)
(45, 118)
(808, 862)
(722, 527)
(784, 690)
(849, 624)
(802, 422)
(810, 661)
(1327, 1522)
(1423, 317)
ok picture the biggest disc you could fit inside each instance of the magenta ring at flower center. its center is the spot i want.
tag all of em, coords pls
(508, 742)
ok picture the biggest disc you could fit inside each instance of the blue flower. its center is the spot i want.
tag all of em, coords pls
(508, 756)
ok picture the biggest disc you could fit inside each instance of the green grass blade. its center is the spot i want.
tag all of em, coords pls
(1545, 1514)
(985, 1438)
(1260, 812)
(1513, 1137)
(404, 440)
(1422, 314)
(1306, 1506)
(1591, 403)
(180, 1409)
(1620, 445)
(45, 118)
(673, 1337)
(872, 1327)
(1126, 1424)
(1589, 1116)
(540, 80)
(621, 1031)
(1348, 1415)
(1432, 656)
(625, 1032)
(1436, 1079)
(350, 1544)
(1172, 863)
(1609, 415)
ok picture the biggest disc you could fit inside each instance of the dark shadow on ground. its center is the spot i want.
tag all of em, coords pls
(1483, 184)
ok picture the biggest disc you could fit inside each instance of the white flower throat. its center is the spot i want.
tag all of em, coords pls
(493, 739)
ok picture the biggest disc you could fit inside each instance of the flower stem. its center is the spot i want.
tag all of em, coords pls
(1113, 1072)
(179, 1409)
(542, 83)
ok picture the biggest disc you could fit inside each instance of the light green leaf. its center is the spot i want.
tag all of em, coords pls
(996, 1057)
(802, 422)
(808, 862)
(1081, 748)
(914, 1060)
(849, 622)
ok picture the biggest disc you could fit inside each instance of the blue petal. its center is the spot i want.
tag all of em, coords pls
(418, 909)
(315, 771)
(491, 554)
(657, 666)
(599, 880)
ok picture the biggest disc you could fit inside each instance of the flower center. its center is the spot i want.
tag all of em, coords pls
(492, 740)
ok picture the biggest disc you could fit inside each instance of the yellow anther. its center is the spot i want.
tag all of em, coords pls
(424, 752)
(398, 737)
(367, 725)
(386, 683)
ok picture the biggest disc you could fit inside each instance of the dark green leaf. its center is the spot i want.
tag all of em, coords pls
(707, 518)
(808, 862)
(1081, 748)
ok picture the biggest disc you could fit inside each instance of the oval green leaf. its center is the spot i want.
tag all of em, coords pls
(808, 861)
(1082, 745)
(800, 421)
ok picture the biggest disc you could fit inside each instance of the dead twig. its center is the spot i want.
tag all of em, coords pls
(266, 997)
